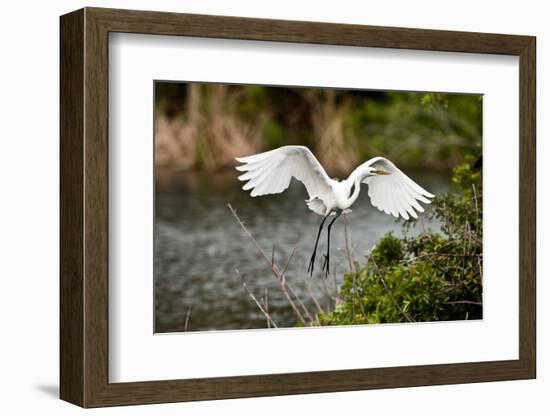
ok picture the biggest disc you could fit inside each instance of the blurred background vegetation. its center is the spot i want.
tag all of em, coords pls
(203, 126)
(391, 271)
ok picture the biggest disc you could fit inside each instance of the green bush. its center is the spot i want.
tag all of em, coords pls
(429, 277)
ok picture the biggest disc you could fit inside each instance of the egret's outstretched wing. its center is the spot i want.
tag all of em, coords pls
(396, 193)
(270, 172)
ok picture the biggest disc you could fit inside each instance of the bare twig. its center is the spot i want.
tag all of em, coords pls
(349, 253)
(334, 281)
(468, 302)
(266, 306)
(278, 275)
(356, 293)
(353, 300)
(480, 267)
(326, 293)
(289, 259)
(466, 242)
(258, 304)
(475, 200)
(317, 321)
(331, 298)
(187, 317)
(314, 298)
(304, 308)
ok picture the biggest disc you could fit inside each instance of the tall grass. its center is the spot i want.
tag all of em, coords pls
(205, 126)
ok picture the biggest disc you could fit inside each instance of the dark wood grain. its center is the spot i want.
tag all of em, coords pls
(84, 207)
(527, 208)
(96, 218)
(71, 185)
(226, 27)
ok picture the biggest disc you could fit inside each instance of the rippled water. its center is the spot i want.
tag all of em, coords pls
(199, 244)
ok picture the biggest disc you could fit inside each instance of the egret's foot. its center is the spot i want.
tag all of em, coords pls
(326, 264)
(311, 264)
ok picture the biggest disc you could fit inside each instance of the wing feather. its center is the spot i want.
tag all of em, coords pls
(412, 199)
(258, 177)
(395, 193)
(403, 200)
(395, 201)
(271, 172)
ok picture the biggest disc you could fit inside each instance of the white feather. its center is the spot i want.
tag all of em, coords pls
(395, 193)
(271, 172)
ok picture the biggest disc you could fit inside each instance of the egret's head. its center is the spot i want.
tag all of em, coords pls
(366, 172)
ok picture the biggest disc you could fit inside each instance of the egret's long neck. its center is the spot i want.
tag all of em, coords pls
(355, 179)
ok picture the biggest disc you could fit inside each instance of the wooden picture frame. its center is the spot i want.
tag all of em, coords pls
(84, 207)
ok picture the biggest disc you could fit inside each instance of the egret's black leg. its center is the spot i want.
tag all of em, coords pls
(312, 260)
(326, 263)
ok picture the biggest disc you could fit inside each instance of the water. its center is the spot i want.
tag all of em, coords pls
(199, 244)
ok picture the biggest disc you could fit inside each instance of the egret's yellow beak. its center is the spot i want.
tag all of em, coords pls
(381, 172)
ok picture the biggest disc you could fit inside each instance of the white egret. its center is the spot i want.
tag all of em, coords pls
(389, 189)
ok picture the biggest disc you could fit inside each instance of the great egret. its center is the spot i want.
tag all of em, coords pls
(390, 190)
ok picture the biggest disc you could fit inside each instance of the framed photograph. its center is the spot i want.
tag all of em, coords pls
(256, 207)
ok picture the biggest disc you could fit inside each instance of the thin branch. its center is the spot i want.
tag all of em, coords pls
(317, 320)
(480, 267)
(334, 281)
(314, 298)
(306, 311)
(256, 244)
(475, 200)
(278, 275)
(349, 253)
(324, 289)
(187, 317)
(266, 314)
(266, 306)
(289, 259)
(326, 293)
(468, 302)
(356, 293)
